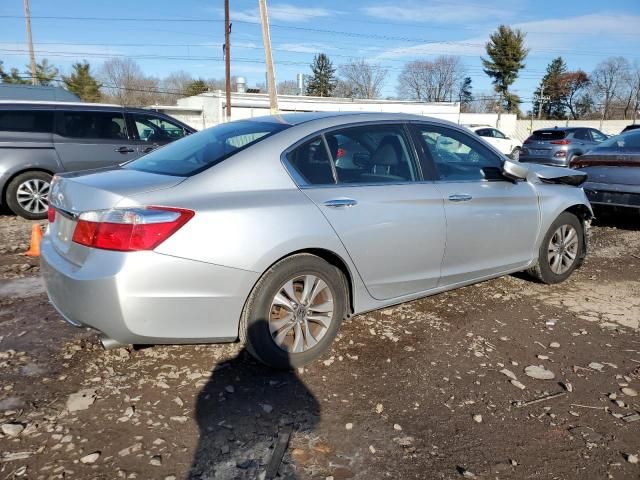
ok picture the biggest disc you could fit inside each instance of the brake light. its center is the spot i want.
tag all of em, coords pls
(51, 214)
(561, 142)
(129, 229)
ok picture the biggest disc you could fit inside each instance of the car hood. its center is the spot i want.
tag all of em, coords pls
(547, 174)
(105, 188)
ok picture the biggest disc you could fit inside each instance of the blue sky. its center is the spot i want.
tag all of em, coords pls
(387, 32)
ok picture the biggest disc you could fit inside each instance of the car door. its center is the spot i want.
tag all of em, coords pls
(502, 142)
(487, 136)
(86, 139)
(391, 223)
(151, 131)
(492, 222)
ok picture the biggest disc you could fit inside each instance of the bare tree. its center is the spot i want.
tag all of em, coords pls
(124, 83)
(287, 87)
(364, 79)
(608, 81)
(571, 85)
(173, 85)
(431, 81)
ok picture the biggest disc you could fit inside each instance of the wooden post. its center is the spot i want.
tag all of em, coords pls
(271, 76)
(227, 58)
(32, 55)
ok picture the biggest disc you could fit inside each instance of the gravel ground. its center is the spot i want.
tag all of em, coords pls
(434, 388)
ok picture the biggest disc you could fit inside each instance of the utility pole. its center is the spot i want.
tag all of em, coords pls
(227, 57)
(541, 100)
(32, 55)
(271, 76)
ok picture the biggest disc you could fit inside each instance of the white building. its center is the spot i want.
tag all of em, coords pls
(208, 109)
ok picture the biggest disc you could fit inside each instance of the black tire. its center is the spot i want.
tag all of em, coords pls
(543, 271)
(254, 329)
(515, 153)
(12, 194)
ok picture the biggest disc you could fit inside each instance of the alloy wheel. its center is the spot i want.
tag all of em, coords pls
(33, 195)
(563, 249)
(301, 313)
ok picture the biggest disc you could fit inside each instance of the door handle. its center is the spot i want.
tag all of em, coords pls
(148, 149)
(460, 197)
(340, 203)
(124, 150)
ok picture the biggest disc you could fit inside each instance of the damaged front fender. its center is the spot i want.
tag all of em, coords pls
(559, 175)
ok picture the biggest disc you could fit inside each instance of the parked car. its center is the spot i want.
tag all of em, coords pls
(40, 139)
(558, 146)
(628, 128)
(614, 171)
(250, 229)
(508, 146)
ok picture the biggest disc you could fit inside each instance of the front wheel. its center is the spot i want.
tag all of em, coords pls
(28, 195)
(294, 312)
(561, 251)
(515, 153)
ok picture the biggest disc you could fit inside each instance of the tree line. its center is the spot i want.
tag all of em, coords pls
(611, 90)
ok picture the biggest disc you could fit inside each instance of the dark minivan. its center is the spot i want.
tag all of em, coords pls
(39, 139)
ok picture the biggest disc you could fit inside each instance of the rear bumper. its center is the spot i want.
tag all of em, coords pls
(146, 297)
(555, 162)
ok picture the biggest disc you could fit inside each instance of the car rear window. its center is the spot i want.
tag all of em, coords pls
(33, 121)
(197, 152)
(548, 134)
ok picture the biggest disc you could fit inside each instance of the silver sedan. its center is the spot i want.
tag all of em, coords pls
(261, 230)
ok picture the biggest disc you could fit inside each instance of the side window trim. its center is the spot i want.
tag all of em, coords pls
(332, 161)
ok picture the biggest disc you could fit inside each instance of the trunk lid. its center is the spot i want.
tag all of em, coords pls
(74, 193)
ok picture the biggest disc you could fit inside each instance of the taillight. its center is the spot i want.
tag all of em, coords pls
(129, 229)
(561, 142)
(51, 214)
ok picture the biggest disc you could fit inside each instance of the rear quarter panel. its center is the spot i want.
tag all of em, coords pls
(20, 153)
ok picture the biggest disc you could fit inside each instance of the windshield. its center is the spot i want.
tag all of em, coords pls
(624, 142)
(199, 151)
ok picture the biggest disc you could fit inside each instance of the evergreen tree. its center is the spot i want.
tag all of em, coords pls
(551, 86)
(323, 80)
(12, 77)
(465, 96)
(83, 83)
(507, 53)
(195, 88)
(45, 72)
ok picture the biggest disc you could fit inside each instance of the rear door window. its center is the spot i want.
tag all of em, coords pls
(93, 125)
(549, 134)
(372, 154)
(582, 134)
(30, 121)
(484, 132)
(497, 134)
(597, 136)
(311, 163)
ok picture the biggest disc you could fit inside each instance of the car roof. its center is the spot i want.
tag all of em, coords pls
(30, 104)
(300, 118)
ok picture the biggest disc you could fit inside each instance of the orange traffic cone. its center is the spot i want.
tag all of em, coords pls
(36, 238)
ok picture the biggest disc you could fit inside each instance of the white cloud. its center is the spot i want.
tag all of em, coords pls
(305, 47)
(440, 12)
(283, 12)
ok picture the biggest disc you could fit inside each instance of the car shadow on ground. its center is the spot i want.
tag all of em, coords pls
(620, 218)
(243, 413)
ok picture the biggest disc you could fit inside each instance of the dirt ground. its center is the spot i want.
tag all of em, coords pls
(423, 390)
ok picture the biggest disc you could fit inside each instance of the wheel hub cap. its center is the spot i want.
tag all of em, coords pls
(301, 313)
(33, 195)
(563, 249)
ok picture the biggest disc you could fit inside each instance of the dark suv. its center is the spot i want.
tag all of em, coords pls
(39, 139)
(558, 146)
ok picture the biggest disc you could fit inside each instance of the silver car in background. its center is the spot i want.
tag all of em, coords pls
(257, 229)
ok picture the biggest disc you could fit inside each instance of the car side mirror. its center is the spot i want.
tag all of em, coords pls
(514, 170)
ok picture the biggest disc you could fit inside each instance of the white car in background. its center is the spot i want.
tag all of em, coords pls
(509, 146)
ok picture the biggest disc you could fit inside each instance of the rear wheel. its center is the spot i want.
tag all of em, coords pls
(28, 195)
(515, 153)
(561, 251)
(294, 312)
